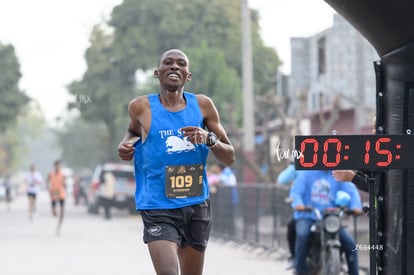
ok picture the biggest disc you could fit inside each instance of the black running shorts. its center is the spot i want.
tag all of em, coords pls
(188, 225)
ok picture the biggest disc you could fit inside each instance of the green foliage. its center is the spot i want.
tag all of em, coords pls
(105, 90)
(145, 28)
(12, 98)
(16, 142)
(83, 143)
(139, 31)
(213, 77)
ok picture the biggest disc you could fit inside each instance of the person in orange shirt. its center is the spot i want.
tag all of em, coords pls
(57, 191)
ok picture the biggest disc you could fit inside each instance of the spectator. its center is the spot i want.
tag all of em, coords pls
(227, 176)
(213, 177)
(8, 189)
(107, 193)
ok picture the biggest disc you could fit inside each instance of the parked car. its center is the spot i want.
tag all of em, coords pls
(124, 189)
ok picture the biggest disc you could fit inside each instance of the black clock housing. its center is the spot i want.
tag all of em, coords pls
(361, 152)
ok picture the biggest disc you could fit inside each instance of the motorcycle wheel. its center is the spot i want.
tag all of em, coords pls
(333, 261)
(313, 258)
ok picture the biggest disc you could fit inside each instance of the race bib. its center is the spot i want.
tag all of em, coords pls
(183, 181)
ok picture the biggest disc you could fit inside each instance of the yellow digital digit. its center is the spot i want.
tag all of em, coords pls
(172, 180)
(200, 180)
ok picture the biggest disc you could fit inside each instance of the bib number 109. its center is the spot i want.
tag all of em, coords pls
(181, 181)
(184, 181)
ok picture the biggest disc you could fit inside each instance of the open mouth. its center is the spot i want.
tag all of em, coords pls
(173, 76)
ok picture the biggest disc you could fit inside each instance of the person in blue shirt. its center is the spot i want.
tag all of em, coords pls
(169, 136)
(227, 176)
(318, 189)
(287, 175)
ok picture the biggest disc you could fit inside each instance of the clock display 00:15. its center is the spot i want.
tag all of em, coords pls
(363, 152)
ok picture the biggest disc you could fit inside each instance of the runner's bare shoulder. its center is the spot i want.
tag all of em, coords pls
(139, 103)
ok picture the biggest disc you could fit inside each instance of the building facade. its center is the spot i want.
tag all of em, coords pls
(333, 71)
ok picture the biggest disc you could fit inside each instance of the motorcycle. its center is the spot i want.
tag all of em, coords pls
(324, 254)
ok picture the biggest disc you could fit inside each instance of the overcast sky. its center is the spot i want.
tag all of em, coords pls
(50, 38)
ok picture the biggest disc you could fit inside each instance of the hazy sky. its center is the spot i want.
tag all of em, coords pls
(50, 38)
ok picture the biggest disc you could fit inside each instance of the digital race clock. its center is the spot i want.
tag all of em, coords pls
(362, 152)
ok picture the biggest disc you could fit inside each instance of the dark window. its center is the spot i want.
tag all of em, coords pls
(322, 56)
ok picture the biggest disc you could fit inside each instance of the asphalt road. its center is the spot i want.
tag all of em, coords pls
(89, 245)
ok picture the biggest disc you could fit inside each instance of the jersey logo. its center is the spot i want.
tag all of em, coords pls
(176, 145)
(320, 192)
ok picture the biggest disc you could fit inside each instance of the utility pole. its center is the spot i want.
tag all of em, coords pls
(248, 98)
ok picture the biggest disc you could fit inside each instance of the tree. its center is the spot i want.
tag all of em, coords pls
(16, 143)
(105, 89)
(144, 28)
(12, 98)
(83, 143)
(212, 76)
(140, 30)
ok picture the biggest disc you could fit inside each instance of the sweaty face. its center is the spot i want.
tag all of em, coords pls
(173, 70)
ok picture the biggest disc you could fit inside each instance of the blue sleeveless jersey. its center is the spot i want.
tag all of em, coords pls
(165, 147)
